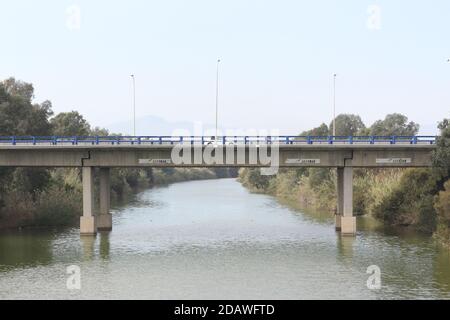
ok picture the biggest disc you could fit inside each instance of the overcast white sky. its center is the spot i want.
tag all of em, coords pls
(278, 58)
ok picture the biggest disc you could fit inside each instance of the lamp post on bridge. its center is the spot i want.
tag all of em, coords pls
(134, 104)
(334, 105)
(217, 99)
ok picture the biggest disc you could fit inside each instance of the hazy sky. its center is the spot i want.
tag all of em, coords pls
(278, 58)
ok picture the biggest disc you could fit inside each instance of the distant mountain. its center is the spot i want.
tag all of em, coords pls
(429, 129)
(153, 125)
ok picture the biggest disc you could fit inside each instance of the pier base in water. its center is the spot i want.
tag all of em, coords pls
(347, 225)
(345, 221)
(90, 222)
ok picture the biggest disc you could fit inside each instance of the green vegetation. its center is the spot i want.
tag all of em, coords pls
(418, 198)
(441, 160)
(411, 201)
(347, 125)
(53, 197)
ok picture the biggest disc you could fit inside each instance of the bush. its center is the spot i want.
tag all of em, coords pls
(372, 186)
(164, 176)
(17, 210)
(442, 205)
(58, 207)
(411, 202)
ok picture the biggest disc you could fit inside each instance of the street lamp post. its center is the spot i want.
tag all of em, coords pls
(134, 105)
(217, 98)
(334, 105)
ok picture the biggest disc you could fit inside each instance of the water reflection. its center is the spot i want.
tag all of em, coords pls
(26, 247)
(441, 269)
(104, 245)
(88, 242)
(345, 247)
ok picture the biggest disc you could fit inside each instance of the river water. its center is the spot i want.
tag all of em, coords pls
(215, 240)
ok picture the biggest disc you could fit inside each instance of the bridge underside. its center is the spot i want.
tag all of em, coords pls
(342, 157)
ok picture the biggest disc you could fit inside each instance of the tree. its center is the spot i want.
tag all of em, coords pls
(97, 131)
(70, 124)
(257, 180)
(321, 130)
(441, 156)
(347, 125)
(394, 124)
(411, 202)
(19, 88)
(442, 204)
(18, 116)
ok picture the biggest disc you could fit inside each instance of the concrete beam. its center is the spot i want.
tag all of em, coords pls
(366, 156)
(104, 221)
(37, 157)
(88, 224)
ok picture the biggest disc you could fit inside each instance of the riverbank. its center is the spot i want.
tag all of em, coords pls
(402, 198)
(59, 202)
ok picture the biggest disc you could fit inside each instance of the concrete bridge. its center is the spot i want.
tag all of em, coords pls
(88, 153)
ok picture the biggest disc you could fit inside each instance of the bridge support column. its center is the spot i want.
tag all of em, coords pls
(345, 221)
(340, 197)
(104, 219)
(88, 224)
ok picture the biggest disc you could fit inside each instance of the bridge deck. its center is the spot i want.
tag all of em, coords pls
(224, 140)
(248, 151)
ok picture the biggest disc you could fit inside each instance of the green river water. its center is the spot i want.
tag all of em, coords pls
(215, 240)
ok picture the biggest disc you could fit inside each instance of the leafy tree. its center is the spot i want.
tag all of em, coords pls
(97, 131)
(18, 115)
(321, 130)
(442, 205)
(441, 156)
(441, 163)
(347, 125)
(394, 124)
(255, 179)
(70, 124)
(411, 202)
(19, 88)
(364, 132)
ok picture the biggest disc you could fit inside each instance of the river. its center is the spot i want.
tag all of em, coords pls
(215, 240)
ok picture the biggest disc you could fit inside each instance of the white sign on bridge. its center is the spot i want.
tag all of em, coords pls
(155, 161)
(302, 161)
(393, 160)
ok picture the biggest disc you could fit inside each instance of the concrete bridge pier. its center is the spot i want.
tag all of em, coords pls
(88, 225)
(345, 221)
(340, 194)
(104, 221)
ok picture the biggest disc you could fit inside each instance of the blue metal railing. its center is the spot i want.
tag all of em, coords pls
(223, 140)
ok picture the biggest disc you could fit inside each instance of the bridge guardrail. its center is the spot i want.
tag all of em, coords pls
(205, 140)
